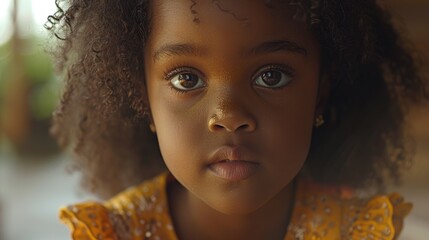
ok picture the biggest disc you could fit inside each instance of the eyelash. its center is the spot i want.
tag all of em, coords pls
(172, 72)
(177, 90)
(279, 67)
(287, 70)
(178, 69)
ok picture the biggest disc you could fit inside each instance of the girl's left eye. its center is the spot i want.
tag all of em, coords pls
(273, 78)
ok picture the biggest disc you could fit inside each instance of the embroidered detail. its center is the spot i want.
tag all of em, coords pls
(319, 213)
(88, 221)
(372, 220)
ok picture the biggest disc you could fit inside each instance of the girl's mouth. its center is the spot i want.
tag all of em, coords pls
(232, 163)
(236, 170)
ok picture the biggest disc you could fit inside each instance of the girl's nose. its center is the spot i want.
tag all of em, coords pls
(230, 117)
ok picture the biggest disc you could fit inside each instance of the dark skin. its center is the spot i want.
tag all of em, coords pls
(98, 48)
(254, 85)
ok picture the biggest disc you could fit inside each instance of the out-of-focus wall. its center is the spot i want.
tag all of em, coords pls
(412, 18)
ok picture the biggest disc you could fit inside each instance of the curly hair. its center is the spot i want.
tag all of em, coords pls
(102, 115)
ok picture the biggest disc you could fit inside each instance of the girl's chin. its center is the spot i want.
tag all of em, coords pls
(235, 206)
(232, 210)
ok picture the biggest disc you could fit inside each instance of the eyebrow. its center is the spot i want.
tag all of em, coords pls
(277, 46)
(187, 49)
(177, 50)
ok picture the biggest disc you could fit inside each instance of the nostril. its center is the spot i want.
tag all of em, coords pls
(243, 127)
(217, 127)
(230, 127)
(231, 124)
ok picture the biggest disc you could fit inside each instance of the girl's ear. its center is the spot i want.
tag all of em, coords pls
(149, 119)
(147, 112)
(148, 116)
(152, 128)
(323, 93)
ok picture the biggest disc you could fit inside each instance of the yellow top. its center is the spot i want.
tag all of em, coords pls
(319, 212)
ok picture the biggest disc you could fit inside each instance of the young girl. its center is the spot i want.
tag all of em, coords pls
(271, 117)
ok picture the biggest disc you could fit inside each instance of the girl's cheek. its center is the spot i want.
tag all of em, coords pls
(177, 117)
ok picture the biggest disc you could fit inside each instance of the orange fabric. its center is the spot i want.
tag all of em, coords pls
(319, 213)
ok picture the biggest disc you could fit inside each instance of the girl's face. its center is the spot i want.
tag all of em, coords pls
(232, 87)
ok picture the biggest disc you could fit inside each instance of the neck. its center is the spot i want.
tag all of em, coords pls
(193, 219)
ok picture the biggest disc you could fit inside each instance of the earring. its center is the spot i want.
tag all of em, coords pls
(152, 128)
(319, 121)
(146, 114)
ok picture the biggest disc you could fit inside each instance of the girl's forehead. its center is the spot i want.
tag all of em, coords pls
(235, 13)
(238, 23)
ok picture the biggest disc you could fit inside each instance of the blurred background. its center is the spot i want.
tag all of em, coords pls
(34, 182)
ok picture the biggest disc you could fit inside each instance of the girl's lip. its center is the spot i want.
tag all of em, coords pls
(231, 153)
(236, 170)
(232, 163)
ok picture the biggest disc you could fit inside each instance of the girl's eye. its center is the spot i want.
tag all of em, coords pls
(186, 81)
(273, 78)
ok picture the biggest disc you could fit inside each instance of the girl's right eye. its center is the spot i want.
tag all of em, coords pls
(186, 81)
